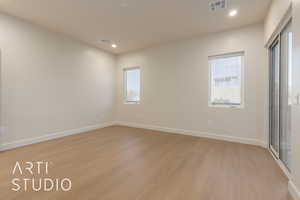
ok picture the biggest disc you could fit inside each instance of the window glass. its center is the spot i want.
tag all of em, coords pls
(132, 85)
(226, 80)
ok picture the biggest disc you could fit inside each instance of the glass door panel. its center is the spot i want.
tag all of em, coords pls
(275, 97)
(285, 95)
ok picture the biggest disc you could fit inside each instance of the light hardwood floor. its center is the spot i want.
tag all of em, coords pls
(121, 163)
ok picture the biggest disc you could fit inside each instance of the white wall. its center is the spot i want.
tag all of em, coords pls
(296, 90)
(174, 86)
(277, 11)
(51, 83)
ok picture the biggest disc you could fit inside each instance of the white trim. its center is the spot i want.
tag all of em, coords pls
(227, 55)
(195, 133)
(284, 21)
(25, 142)
(131, 102)
(293, 190)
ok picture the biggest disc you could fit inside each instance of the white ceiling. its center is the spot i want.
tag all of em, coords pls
(134, 24)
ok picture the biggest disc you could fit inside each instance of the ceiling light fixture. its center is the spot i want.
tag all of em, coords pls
(233, 13)
(114, 46)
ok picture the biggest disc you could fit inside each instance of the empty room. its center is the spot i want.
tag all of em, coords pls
(150, 100)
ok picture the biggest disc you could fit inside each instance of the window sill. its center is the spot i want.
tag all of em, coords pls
(131, 102)
(226, 106)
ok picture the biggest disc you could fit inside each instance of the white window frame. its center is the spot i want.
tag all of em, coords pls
(125, 101)
(242, 104)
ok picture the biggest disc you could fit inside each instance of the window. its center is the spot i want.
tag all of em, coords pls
(132, 85)
(226, 80)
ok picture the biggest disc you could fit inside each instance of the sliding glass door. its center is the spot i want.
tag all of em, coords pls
(275, 97)
(280, 95)
(285, 95)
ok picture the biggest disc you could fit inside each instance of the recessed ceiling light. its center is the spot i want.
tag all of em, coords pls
(233, 13)
(114, 46)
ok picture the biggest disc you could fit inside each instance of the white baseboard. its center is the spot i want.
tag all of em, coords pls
(20, 143)
(293, 190)
(194, 133)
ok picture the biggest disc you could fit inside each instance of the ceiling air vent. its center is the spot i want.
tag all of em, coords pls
(106, 41)
(217, 5)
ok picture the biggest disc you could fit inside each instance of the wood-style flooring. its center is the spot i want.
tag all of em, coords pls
(122, 163)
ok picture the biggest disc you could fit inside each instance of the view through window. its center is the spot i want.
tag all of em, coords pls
(132, 85)
(226, 79)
